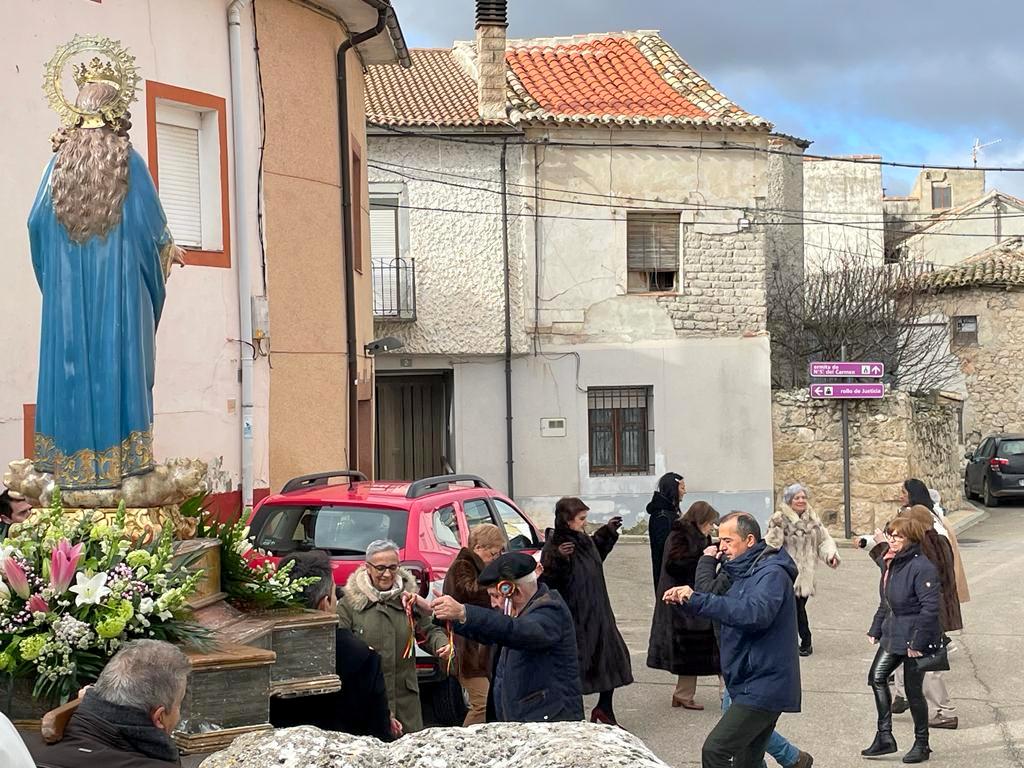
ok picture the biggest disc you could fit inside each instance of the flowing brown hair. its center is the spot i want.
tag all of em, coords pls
(90, 175)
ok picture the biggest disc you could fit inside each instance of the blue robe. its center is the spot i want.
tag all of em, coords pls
(101, 305)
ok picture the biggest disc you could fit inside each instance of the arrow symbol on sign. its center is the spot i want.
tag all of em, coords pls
(877, 370)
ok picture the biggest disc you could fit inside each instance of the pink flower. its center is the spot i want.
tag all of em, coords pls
(16, 577)
(36, 604)
(63, 564)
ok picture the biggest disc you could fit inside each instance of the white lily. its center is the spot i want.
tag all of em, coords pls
(5, 552)
(5, 593)
(90, 591)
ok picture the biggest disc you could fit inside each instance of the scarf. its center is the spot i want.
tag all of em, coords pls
(745, 562)
(383, 597)
(133, 725)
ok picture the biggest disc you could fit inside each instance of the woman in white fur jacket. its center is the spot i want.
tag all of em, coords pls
(801, 533)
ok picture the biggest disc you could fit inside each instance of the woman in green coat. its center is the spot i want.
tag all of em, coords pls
(373, 607)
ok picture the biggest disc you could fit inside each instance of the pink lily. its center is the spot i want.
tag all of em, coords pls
(36, 604)
(63, 563)
(16, 578)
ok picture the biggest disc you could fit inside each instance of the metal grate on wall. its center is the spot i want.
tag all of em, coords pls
(621, 430)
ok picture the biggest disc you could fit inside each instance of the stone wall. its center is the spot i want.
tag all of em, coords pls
(891, 439)
(991, 371)
(722, 285)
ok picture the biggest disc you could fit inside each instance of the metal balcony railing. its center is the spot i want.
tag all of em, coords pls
(394, 289)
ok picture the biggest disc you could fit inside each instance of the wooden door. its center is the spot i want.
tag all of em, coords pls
(412, 426)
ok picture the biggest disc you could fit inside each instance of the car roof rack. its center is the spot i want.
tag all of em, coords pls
(434, 484)
(303, 482)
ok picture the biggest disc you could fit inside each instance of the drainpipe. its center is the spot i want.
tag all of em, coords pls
(509, 461)
(241, 166)
(348, 239)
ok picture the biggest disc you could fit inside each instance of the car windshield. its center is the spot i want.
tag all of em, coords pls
(340, 530)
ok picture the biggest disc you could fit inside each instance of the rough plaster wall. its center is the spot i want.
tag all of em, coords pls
(839, 192)
(890, 440)
(460, 296)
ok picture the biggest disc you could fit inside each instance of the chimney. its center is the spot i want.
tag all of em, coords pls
(491, 22)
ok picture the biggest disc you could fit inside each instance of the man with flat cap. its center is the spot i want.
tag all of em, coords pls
(536, 678)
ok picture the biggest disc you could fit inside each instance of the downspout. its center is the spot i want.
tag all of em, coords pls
(348, 242)
(241, 165)
(508, 323)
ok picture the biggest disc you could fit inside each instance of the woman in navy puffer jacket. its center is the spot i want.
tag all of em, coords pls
(906, 627)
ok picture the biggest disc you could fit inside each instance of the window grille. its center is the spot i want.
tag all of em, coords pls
(621, 434)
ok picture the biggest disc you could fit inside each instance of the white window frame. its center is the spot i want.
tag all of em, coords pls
(210, 193)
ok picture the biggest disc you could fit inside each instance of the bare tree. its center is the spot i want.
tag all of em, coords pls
(875, 310)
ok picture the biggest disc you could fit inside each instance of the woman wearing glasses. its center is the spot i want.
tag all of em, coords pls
(374, 608)
(473, 659)
(905, 628)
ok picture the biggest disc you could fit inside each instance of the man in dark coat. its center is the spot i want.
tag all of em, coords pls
(574, 566)
(760, 662)
(536, 678)
(361, 706)
(126, 719)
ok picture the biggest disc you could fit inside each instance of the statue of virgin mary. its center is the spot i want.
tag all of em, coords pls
(101, 252)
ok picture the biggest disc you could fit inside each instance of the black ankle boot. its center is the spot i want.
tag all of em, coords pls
(884, 744)
(918, 754)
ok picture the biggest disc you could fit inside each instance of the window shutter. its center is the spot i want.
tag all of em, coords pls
(652, 242)
(384, 257)
(178, 159)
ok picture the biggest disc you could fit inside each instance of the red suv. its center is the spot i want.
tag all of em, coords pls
(429, 519)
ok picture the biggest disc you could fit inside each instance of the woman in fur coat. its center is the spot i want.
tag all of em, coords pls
(681, 644)
(574, 565)
(798, 530)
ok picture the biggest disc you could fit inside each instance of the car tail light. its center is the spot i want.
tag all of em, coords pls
(997, 464)
(420, 572)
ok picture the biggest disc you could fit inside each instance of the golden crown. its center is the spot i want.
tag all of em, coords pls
(115, 68)
(96, 71)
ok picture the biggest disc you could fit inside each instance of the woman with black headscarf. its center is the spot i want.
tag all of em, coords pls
(663, 510)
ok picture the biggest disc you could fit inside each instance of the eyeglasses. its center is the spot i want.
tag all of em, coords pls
(892, 535)
(383, 568)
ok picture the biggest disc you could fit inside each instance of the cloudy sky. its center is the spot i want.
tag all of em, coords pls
(912, 80)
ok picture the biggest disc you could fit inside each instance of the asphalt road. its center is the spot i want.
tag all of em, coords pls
(837, 720)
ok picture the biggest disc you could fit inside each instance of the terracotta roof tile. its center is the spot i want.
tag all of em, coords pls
(628, 78)
(1000, 266)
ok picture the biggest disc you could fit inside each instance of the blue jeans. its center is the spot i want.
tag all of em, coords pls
(778, 747)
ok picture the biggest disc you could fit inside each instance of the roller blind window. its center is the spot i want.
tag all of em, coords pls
(180, 182)
(652, 251)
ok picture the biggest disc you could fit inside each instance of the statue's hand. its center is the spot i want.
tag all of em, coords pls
(178, 256)
(171, 255)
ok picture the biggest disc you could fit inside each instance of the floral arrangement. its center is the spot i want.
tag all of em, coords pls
(248, 576)
(73, 589)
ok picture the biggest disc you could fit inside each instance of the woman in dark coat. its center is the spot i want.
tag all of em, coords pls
(574, 565)
(681, 644)
(905, 627)
(662, 511)
(472, 659)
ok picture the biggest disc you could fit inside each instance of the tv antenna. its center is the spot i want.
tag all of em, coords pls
(978, 146)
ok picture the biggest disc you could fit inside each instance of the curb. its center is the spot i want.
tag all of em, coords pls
(634, 538)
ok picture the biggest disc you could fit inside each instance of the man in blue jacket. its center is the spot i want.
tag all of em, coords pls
(536, 678)
(759, 655)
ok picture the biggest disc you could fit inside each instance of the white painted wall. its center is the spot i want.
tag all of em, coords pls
(952, 240)
(843, 210)
(184, 43)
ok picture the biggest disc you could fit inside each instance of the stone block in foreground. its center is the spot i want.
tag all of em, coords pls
(495, 745)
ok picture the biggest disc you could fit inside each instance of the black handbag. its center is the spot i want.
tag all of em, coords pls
(935, 662)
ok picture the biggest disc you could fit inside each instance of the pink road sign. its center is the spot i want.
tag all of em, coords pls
(847, 391)
(855, 369)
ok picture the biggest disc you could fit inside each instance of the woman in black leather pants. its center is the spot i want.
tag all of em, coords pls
(905, 627)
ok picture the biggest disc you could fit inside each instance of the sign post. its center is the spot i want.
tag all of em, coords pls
(844, 392)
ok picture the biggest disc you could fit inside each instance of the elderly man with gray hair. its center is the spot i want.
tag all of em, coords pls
(379, 606)
(126, 718)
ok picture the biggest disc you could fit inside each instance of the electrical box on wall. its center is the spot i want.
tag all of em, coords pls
(260, 318)
(552, 427)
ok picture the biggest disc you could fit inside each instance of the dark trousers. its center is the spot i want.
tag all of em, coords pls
(739, 739)
(882, 667)
(803, 628)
